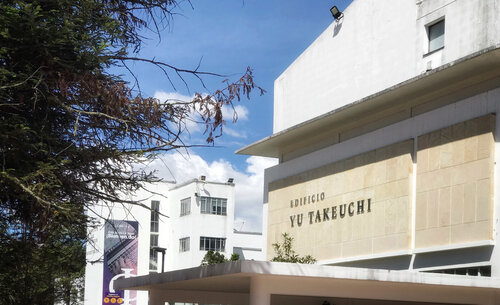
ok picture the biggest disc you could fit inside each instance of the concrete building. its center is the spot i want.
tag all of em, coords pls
(387, 136)
(187, 219)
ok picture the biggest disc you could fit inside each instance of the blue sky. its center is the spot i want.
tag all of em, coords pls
(228, 36)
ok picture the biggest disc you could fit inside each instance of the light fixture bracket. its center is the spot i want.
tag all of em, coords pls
(336, 13)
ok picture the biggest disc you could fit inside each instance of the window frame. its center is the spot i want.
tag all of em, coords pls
(155, 216)
(184, 244)
(154, 235)
(428, 29)
(213, 206)
(153, 255)
(185, 206)
(212, 243)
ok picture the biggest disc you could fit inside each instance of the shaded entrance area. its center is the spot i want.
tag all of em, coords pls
(268, 283)
(314, 300)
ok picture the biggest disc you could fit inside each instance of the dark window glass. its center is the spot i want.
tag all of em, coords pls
(155, 216)
(436, 36)
(153, 237)
(153, 255)
(212, 243)
(485, 271)
(184, 244)
(473, 271)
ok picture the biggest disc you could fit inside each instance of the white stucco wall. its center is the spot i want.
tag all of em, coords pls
(172, 227)
(196, 224)
(376, 45)
(94, 271)
(248, 245)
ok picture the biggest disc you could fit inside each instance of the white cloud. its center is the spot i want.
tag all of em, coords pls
(234, 133)
(171, 96)
(248, 184)
(193, 125)
(241, 111)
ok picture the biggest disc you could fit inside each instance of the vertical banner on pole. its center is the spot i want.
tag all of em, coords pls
(120, 260)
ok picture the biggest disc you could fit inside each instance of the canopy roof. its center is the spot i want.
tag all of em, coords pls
(237, 282)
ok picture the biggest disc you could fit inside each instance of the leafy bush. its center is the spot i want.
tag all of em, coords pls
(284, 252)
(212, 258)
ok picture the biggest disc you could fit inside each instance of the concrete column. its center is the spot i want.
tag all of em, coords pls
(495, 256)
(259, 292)
(155, 298)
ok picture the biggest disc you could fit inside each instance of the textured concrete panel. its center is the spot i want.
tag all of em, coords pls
(357, 206)
(454, 202)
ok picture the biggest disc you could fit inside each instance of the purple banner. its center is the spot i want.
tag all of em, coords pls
(120, 260)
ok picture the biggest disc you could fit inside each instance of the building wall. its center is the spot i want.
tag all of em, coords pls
(196, 224)
(172, 227)
(357, 206)
(452, 211)
(455, 184)
(248, 245)
(375, 46)
(95, 248)
(470, 27)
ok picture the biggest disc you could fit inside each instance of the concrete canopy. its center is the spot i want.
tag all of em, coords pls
(264, 283)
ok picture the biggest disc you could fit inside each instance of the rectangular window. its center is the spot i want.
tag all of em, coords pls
(212, 243)
(155, 215)
(153, 237)
(216, 206)
(484, 271)
(184, 244)
(186, 206)
(435, 33)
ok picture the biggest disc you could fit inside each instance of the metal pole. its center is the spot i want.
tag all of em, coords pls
(162, 261)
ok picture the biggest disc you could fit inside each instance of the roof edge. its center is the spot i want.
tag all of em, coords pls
(258, 145)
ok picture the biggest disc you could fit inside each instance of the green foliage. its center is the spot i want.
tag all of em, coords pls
(284, 252)
(212, 258)
(45, 273)
(234, 257)
(70, 129)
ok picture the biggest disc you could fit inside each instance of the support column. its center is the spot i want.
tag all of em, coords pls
(155, 298)
(259, 291)
(495, 256)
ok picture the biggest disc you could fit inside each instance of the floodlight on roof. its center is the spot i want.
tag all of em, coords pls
(336, 13)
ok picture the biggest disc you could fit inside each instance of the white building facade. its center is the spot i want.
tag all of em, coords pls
(390, 118)
(186, 219)
(387, 133)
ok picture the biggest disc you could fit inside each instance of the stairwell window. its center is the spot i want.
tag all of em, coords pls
(154, 233)
(435, 33)
(186, 206)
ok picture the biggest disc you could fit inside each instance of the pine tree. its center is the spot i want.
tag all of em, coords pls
(69, 129)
